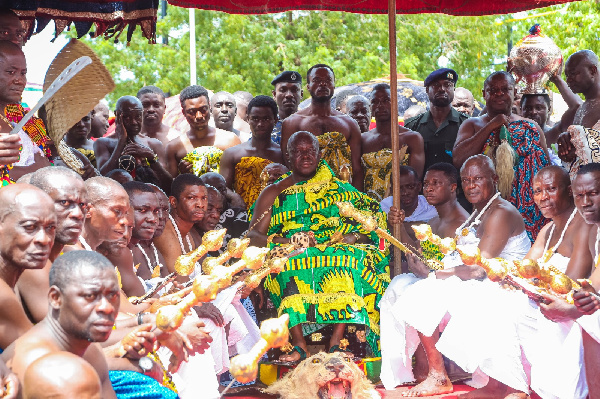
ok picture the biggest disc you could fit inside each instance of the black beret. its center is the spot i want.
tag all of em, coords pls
(287, 76)
(443, 73)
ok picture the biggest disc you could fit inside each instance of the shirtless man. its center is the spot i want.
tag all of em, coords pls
(320, 119)
(243, 164)
(380, 139)
(439, 188)
(145, 252)
(27, 229)
(146, 211)
(482, 135)
(67, 190)
(128, 141)
(11, 28)
(195, 106)
(61, 375)
(77, 137)
(153, 102)
(562, 243)
(583, 77)
(242, 99)
(498, 230)
(74, 320)
(224, 110)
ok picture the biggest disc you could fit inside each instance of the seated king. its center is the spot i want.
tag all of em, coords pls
(340, 278)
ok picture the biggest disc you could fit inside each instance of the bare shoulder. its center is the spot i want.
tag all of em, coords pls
(103, 142)
(505, 209)
(174, 144)
(225, 139)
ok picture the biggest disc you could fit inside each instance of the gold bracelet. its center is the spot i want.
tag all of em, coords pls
(270, 238)
(356, 235)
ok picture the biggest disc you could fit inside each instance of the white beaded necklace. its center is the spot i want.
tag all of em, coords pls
(549, 252)
(183, 251)
(148, 262)
(597, 258)
(85, 244)
(464, 228)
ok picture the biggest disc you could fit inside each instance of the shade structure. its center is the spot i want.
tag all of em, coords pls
(452, 7)
(108, 17)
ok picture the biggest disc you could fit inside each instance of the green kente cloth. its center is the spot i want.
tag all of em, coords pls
(337, 283)
(431, 251)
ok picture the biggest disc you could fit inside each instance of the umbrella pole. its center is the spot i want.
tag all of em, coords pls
(397, 266)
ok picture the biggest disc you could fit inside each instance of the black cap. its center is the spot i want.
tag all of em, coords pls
(287, 76)
(443, 73)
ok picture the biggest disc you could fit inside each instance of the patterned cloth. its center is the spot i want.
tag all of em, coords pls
(36, 131)
(326, 284)
(89, 154)
(336, 152)
(133, 385)
(532, 158)
(276, 135)
(247, 178)
(377, 167)
(204, 159)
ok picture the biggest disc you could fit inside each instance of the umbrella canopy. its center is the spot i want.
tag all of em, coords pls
(452, 7)
(110, 17)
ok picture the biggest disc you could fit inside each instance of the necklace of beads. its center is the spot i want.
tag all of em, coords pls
(464, 228)
(549, 252)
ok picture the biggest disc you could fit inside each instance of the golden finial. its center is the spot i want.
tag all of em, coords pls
(211, 241)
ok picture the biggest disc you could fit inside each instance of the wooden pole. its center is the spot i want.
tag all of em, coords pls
(396, 268)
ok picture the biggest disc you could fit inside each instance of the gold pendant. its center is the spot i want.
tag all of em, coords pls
(547, 255)
(465, 232)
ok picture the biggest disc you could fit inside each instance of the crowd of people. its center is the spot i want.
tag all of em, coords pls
(78, 250)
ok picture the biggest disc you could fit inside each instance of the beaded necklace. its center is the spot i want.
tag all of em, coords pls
(466, 227)
(148, 262)
(549, 252)
(187, 236)
(85, 244)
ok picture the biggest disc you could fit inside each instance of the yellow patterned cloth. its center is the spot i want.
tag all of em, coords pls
(89, 154)
(335, 150)
(204, 159)
(377, 167)
(247, 178)
(329, 283)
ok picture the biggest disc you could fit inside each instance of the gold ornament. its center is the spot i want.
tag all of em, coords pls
(274, 333)
(527, 268)
(211, 241)
(422, 232)
(316, 337)
(470, 255)
(344, 344)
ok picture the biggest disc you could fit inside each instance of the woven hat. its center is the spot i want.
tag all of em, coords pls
(80, 94)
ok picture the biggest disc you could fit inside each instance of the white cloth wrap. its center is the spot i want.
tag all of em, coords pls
(26, 157)
(412, 305)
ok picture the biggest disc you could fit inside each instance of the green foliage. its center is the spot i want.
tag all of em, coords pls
(244, 52)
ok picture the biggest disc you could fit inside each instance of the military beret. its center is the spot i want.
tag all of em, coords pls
(443, 73)
(287, 76)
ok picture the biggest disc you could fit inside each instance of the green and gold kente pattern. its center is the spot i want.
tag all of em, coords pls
(431, 251)
(328, 283)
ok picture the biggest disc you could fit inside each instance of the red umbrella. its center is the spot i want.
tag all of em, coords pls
(452, 7)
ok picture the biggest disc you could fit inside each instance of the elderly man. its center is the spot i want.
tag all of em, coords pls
(358, 107)
(242, 99)
(325, 284)
(562, 243)
(464, 101)
(117, 152)
(153, 103)
(68, 192)
(525, 138)
(287, 93)
(439, 126)
(498, 231)
(338, 134)
(26, 151)
(27, 229)
(243, 164)
(377, 145)
(199, 150)
(72, 324)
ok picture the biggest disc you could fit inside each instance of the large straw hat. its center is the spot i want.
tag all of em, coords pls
(78, 96)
